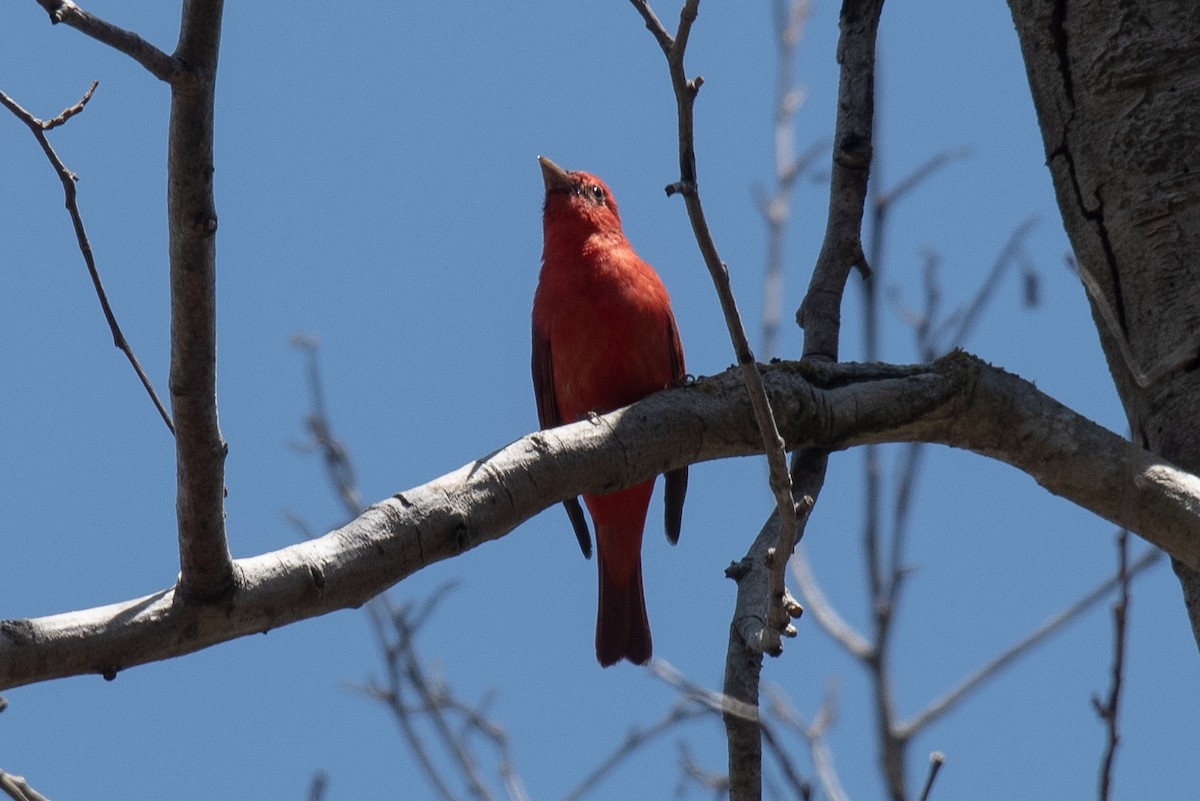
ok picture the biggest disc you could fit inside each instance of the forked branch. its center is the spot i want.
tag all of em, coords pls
(39, 128)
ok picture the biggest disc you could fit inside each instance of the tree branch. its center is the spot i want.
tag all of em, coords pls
(68, 178)
(160, 65)
(206, 570)
(18, 789)
(1109, 709)
(958, 401)
(820, 314)
(825, 614)
(778, 618)
(944, 704)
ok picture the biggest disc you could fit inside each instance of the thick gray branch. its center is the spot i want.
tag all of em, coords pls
(204, 561)
(958, 401)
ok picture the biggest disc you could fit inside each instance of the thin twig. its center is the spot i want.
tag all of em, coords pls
(790, 18)
(338, 465)
(160, 65)
(936, 760)
(393, 697)
(318, 786)
(824, 613)
(779, 614)
(455, 746)
(1109, 709)
(683, 710)
(726, 705)
(943, 704)
(400, 653)
(969, 316)
(38, 128)
(814, 734)
(714, 781)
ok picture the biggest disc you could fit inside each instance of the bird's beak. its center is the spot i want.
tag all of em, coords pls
(555, 177)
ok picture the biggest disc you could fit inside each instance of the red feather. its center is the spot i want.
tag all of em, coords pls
(604, 336)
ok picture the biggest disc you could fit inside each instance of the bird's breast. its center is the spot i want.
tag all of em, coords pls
(609, 330)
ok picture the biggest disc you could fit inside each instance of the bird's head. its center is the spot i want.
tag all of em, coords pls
(577, 200)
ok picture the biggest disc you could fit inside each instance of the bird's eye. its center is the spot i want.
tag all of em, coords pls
(597, 194)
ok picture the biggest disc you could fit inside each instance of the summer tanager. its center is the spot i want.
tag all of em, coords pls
(603, 337)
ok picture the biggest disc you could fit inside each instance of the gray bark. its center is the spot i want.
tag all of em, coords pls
(1117, 91)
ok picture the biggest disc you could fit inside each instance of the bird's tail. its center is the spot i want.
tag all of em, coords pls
(622, 628)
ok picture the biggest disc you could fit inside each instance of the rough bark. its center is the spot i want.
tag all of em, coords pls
(959, 401)
(1117, 91)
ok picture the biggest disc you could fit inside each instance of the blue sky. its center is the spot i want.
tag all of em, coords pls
(377, 188)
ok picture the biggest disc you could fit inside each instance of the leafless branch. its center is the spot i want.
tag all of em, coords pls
(943, 704)
(824, 612)
(790, 19)
(318, 786)
(396, 628)
(814, 734)
(715, 782)
(206, 569)
(957, 328)
(885, 200)
(958, 401)
(841, 249)
(393, 695)
(160, 65)
(1109, 709)
(936, 760)
(779, 617)
(768, 628)
(338, 465)
(18, 789)
(38, 128)
(729, 706)
(682, 711)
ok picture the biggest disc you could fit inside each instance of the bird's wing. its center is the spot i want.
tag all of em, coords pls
(543, 381)
(675, 481)
(548, 417)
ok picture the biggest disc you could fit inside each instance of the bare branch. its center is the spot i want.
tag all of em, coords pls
(453, 745)
(68, 178)
(944, 704)
(814, 734)
(160, 65)
(826, 615)
(206, 569)
(936, 760)
(920, 175)
(714, 781)
(958, 401)
(790, 19)
(778, 618)
(680, 712)
(18, 789)
(965, 321)
(820, 313)
(338, 465)
(381, 613)
(1110, 708)
(318, 786)
(729, 706)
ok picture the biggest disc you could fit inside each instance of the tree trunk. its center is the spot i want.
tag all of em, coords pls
(1117, 90)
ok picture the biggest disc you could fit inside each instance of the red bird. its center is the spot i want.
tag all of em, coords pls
(603, 337)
